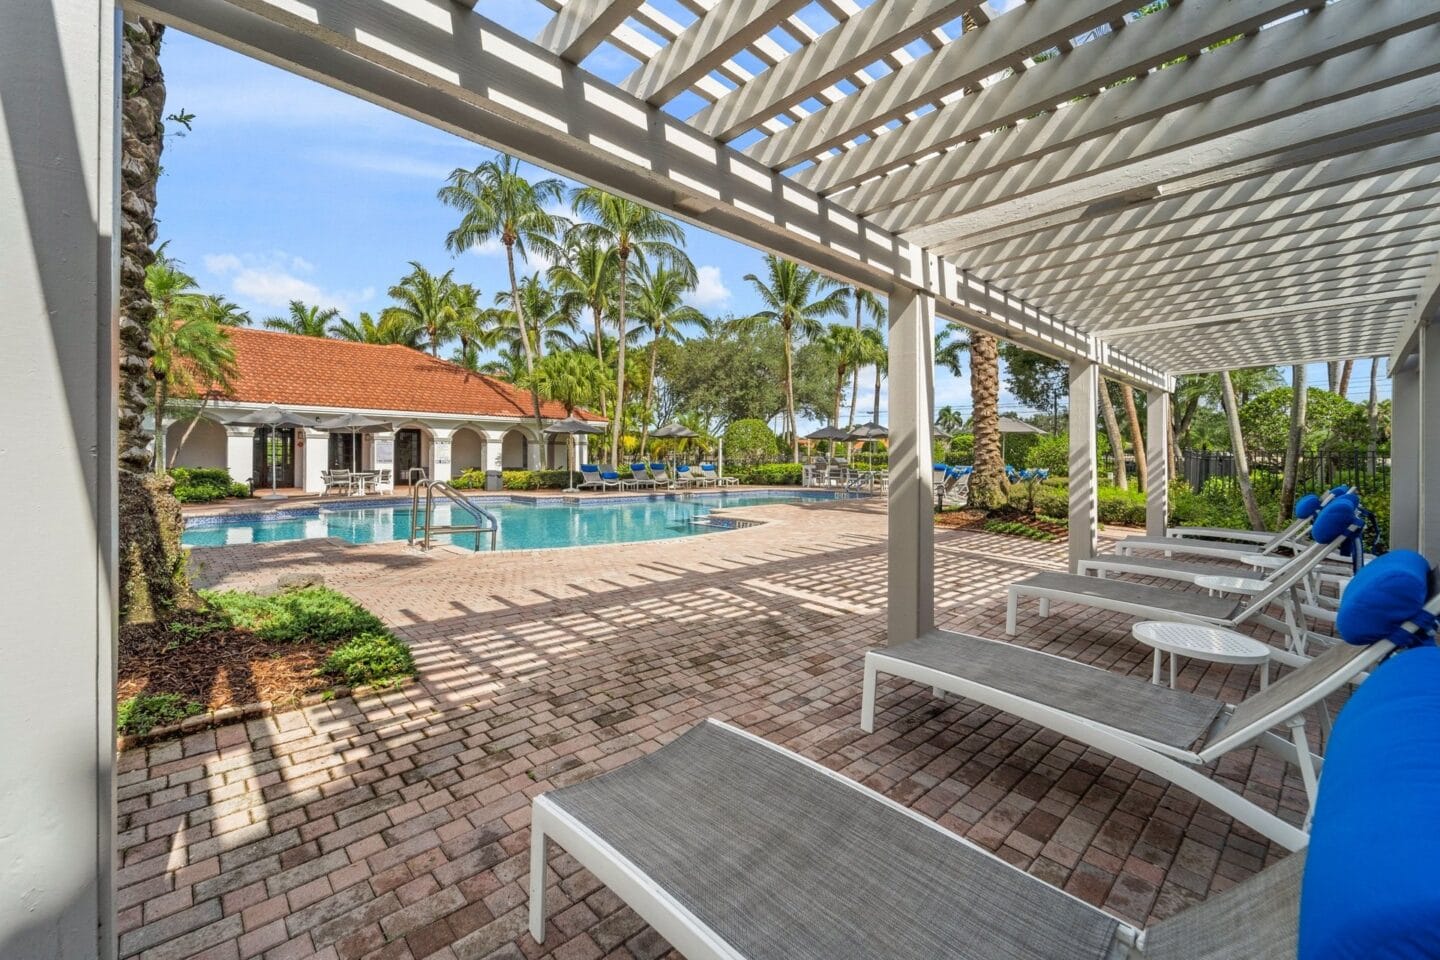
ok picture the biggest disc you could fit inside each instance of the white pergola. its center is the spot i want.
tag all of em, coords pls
(1221, 183)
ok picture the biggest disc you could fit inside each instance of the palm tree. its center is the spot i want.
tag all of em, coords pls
(222, 313)
(226, 314)
(797, 299)
(497, 203)
(849, 349)
(549, 325)
(391, 330)
(661, 310)
(508, 365)
(425, 303)
(950, 420)
(1127, 395)
(305, 320)
(586, 279)
(1237, 443)
(1117, 439)
(866, 304)
(191, 349)
(571, 378)
(630, 230)
(987, 483)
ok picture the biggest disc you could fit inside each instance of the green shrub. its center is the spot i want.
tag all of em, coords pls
(316, 614)
(772, 474)
(750, 441)
(1124, 507)
(1050, 453)
(373, 658)
(145, 712)
(1052, 499)
(961, 450)
(469, 480)
(202, 485)
(533, 479)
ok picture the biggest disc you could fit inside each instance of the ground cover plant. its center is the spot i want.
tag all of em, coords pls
(235, 648)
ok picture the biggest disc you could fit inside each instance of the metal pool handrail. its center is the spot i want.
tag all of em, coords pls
(427, 529)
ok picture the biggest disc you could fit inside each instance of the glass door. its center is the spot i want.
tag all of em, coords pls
(274, 461)
(407, 453)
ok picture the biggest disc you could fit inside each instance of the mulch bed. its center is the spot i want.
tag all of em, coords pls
(214, 665)
(962, 519)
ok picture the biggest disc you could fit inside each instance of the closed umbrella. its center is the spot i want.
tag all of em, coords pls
(274, 418)
(569, 427)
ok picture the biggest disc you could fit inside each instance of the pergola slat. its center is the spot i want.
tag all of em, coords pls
(582, 25)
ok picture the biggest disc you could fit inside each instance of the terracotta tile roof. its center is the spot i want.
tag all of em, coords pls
(290, 370)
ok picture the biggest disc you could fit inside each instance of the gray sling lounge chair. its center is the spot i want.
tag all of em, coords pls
(735, 849)
(1169, 732)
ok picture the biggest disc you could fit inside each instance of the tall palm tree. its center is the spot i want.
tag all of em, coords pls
(508, 365)
(797, 299)
(391, 330)
(192, 352)
(988, 489)
(586, 278)
(550, 326)
(849, 349)
(631, 231)
(222, 313)
(477, 328)
(425, 302)
(496, 202)
(1237, 443)
(659, 300)
(305, 320)
(1137, 442)
(869, 305)
(571, 378)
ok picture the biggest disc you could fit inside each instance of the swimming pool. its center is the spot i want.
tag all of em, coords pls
(526, 523)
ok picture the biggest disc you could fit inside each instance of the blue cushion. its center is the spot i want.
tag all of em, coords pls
(1388, 591)
(1338, 518)
(1307, 506)
(610, 475)
(657, 466)
(1340, 491)
(683, 468)
(1372, 878)
(638, 466)
(589, 468)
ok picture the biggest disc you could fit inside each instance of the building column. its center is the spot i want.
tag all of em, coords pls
(1084, 493)
(1405, 455)
(911, 593)
(440, 454)
(59, 230)
(314, 459)
(1157, 462)
(240, 453)
(534, 454)
(382, 450)
(1429, 444)
(495, 450)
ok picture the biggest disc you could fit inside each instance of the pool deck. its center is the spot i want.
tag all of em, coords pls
(396, 826)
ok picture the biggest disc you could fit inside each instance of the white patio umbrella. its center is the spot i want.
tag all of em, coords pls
(355, 424)
(569, 427)
(274, 418)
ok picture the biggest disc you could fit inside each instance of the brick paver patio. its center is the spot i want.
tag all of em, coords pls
(397, 826)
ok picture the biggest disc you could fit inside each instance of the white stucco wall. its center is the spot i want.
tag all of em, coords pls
(512, 452)
(206, 447)
(467, 451)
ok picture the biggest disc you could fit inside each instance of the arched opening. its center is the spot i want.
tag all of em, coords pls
(467, 451)
(559, 449)
(203, 448)
(515, 451)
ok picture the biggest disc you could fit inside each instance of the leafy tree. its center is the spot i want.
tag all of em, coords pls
(1330, 420)
(660, 309)
(750, 441)
(848, 349)
(731, 375)
(1038, 381)
(496, 202)
(425, 302)
(797, 300)
(304, 320)
(631, 230)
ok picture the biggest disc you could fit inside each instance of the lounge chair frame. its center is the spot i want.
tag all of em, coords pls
(1178, 766)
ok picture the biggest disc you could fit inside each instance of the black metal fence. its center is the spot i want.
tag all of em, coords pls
(1317, 469)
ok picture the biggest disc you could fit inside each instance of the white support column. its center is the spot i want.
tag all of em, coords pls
(1084, 496)
(382, 452)
(1429, 443)
(440, 454)
(314, 459)
(59, 231)
(1405, 455)
(494, 450)
(1157, 462)
(912, 501)
(240, 453)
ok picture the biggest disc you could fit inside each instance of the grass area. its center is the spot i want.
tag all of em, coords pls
(1015, 528)
(242, 648)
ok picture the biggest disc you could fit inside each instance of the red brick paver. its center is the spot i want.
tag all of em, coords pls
(397, 826)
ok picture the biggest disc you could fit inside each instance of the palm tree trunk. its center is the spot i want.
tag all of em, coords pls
(988, 487)
(1135, 437)
(875, 409)
(1112, 430)
(649, 398)
(1346, 368)
(1332, 375)
(600, 357)
(1237, 444)
(855, 379)
(617, 426)
(526, 347)
(790, 398)
(1290, 476)
(1372, 414)
(839, 391)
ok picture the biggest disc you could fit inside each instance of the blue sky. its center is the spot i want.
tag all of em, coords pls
(286, 189)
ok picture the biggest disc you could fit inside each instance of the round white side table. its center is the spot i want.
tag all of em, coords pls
(1218, 583)
(1200, 642)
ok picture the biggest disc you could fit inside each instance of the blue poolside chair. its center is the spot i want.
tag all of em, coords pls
(591, 478)
(638, 477)
(685, 477)
(708, 471)
(610, 480)
(662, 476)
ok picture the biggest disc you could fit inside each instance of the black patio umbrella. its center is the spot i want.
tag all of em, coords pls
(1011, 425)
(356, 424)
(826, 433)
(569, 427)
(869, 433)
(674, 431)
(274, 418)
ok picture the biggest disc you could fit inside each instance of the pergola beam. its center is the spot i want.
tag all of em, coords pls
(1400, 295)
(582, 25)
(1425, 312)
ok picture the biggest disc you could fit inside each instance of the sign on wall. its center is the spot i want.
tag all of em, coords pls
(384, 449)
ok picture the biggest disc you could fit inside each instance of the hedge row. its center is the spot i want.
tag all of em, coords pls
(202, 485)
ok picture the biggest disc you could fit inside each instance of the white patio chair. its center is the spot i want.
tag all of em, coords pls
(336, 480)
(639, 477)
(590, 478)
(711, 475)
(381, 481)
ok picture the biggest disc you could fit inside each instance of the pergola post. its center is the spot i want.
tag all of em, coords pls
(59, 65)
(1084, 492)
(1157, 462)
(1405, 455)
(912, 500)
(1428, 486)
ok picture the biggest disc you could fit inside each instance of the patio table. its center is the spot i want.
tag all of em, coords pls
(358, 482)
(1200, 642)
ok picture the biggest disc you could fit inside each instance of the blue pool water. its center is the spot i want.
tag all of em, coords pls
(525, 523)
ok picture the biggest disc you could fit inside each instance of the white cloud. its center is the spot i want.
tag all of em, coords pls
(221, 263)
(710, 290)
(271, 280)
(391, 164)
(490, 248)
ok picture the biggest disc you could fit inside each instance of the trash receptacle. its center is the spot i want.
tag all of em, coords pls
(493, 482)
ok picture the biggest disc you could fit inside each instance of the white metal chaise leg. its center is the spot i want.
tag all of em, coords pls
(1011, 608)
(539, 844)
(867, 698)
(1044, 607)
